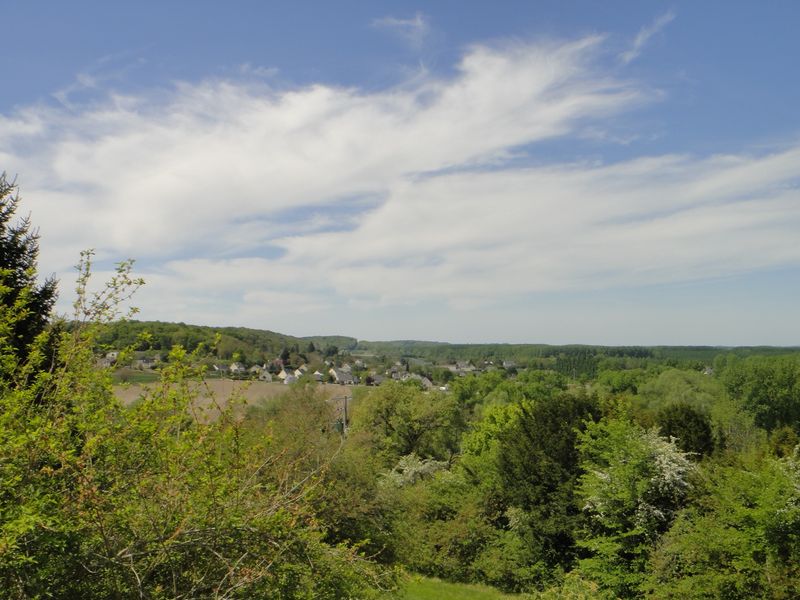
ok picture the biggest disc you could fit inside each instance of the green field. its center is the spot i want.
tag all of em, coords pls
(425, 588)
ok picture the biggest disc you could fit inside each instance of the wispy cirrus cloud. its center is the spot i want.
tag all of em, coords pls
(96, 77)
(414, 30)
(644, 36)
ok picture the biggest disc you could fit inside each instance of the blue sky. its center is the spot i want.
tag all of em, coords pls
(562, 172)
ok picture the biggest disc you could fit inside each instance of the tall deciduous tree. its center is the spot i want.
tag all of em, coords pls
(633, 485)
(402, 419)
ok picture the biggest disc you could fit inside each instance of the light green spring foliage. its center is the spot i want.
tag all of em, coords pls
(768, 388)
(740, 538)
(161, 500)
(619, 381)
(456, 521)
(648, 393)
(633, 485)
(574, 587)
(655, 521)
(677, 385)
(402, 419)
(425, 588)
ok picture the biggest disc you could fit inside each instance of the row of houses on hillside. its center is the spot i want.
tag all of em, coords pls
(288, 376)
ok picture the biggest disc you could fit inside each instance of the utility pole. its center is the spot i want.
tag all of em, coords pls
(343, 421)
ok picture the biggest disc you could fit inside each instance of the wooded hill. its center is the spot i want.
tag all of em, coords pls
(258, 346)
(252, 345)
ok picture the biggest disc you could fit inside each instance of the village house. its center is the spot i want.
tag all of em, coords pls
(426, 383)
(236, 368)
(144, 363)
(104, 363)
(341, 377)
(396, 371)
(461, 368)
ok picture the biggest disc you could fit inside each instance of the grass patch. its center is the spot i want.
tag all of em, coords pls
(427, 588)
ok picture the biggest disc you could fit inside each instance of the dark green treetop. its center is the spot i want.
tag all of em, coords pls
(19, 290)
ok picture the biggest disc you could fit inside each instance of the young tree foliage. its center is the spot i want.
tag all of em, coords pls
(740, 538)
(633, 484)
(768, 387)
(403, 419)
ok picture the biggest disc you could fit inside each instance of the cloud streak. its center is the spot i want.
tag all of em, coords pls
(414, 31)
(644, 36)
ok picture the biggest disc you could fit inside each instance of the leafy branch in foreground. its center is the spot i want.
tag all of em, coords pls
(103, 306)
(168, 498)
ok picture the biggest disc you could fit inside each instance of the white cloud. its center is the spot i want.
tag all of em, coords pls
(257, 70)
(414, 30)
(108, 68)
(248, 204)
(644, 36)
(189, 171)
(477, 237)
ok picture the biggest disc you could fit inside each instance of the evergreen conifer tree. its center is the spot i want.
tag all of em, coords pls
(19, 289)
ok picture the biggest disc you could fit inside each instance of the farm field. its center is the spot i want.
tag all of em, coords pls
(221, 391)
